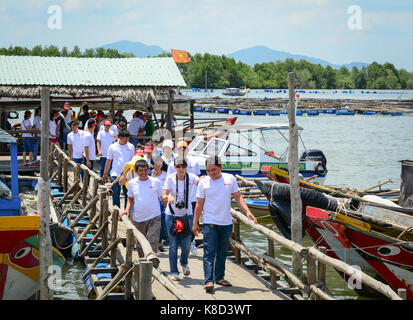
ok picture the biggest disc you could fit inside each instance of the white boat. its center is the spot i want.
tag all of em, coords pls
(243, 150)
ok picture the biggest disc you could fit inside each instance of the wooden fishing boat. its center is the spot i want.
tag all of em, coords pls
(19, 244)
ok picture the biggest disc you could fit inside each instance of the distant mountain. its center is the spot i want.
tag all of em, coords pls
(139, 49)
(260, 54)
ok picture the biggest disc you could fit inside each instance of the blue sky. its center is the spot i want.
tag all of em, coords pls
(317, 28)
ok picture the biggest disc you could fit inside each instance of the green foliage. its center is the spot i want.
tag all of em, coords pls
(214, 71)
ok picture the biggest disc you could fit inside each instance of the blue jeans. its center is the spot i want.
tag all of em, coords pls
(134, 141)
(175, 242)
(102, 166)
(36, 144)
(116, 193)
(216, 242)
(163, 223)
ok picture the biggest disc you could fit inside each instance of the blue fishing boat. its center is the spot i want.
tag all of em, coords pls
(198, 109)
(312, 112)
(260, 112)
(331, 111)
(368, 113)
(345, 112)
(235, 111)
(274, 112)
(245, 112)
(223, 110)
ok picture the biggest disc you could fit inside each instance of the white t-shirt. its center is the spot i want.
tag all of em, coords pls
(89, 141)
(120, 154)
(106, 139)
(26, 125)
(37, 122)
(166, 160)
(68, 117)
(52, 129)
(76, 140)
(170, 184)
(112, 128)
(134, 126)
(217, 195)
(146, 196)
(162, 177)
(192, 167)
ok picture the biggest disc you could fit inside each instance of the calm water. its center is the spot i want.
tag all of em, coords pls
(360, 150)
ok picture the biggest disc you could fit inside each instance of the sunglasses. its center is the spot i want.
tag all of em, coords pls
(180, 166)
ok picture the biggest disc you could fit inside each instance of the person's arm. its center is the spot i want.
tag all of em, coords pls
(128, 206)
(167, 198)
(105, 172)
(197, 214)
(243, 206)
(98, 146)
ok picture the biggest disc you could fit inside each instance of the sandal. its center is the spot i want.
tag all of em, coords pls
(209, 287)
(224, 283)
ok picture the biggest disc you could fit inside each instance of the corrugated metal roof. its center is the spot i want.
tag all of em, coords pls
(90, 72)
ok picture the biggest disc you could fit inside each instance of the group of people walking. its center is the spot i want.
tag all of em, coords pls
(165, 194)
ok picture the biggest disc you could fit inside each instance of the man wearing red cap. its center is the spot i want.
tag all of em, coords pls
(104, 139)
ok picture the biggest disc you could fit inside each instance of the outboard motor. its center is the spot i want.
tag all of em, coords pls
(316, 155)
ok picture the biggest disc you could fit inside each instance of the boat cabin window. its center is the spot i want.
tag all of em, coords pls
(214, 147)
(234, 150)
(196, 146)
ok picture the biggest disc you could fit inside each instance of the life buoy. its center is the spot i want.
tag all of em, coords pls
(321, 169)
(16, 125)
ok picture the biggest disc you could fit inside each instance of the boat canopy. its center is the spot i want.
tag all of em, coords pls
(6, 137)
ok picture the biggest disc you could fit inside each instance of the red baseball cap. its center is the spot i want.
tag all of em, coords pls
(148, 148)
(67, 106)
(139, 152)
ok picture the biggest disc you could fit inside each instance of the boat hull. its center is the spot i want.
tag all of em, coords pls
(19, 257)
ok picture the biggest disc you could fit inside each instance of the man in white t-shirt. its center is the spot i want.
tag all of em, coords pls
(144, 193)
(75, 143)
(136, 126)
(214, 199)
(89, 145)
(119, 153)
(103, 141)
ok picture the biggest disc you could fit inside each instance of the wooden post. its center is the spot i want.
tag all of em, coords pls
(114, 235)
(143, 280)
(311, 274)
(51, 159)
(170, 110)
(237, 252)
(65, 175)
(60, 169)
(85, 187)
(94, 194)
(128, 279)
(271, 253)
(43, 204)
(293, 170)
(402, 293)
(322, 268)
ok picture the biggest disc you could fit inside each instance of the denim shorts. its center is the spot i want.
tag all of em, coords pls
(27, 145)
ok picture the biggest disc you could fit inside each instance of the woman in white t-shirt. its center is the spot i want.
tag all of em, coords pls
(177, 189)
(27, 139)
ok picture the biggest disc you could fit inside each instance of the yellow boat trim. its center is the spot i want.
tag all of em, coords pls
(20, 223)
(341, 218)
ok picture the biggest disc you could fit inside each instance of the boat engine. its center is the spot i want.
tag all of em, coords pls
(316, 155)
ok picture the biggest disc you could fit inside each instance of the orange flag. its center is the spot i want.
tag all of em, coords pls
(180, 56)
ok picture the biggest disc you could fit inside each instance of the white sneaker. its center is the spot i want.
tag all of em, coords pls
(194, 250)
(186, 271)
(175, 276)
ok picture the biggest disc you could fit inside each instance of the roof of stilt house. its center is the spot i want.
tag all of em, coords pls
(135, 80)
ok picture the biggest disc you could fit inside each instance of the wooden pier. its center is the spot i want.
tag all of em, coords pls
(105, 238)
